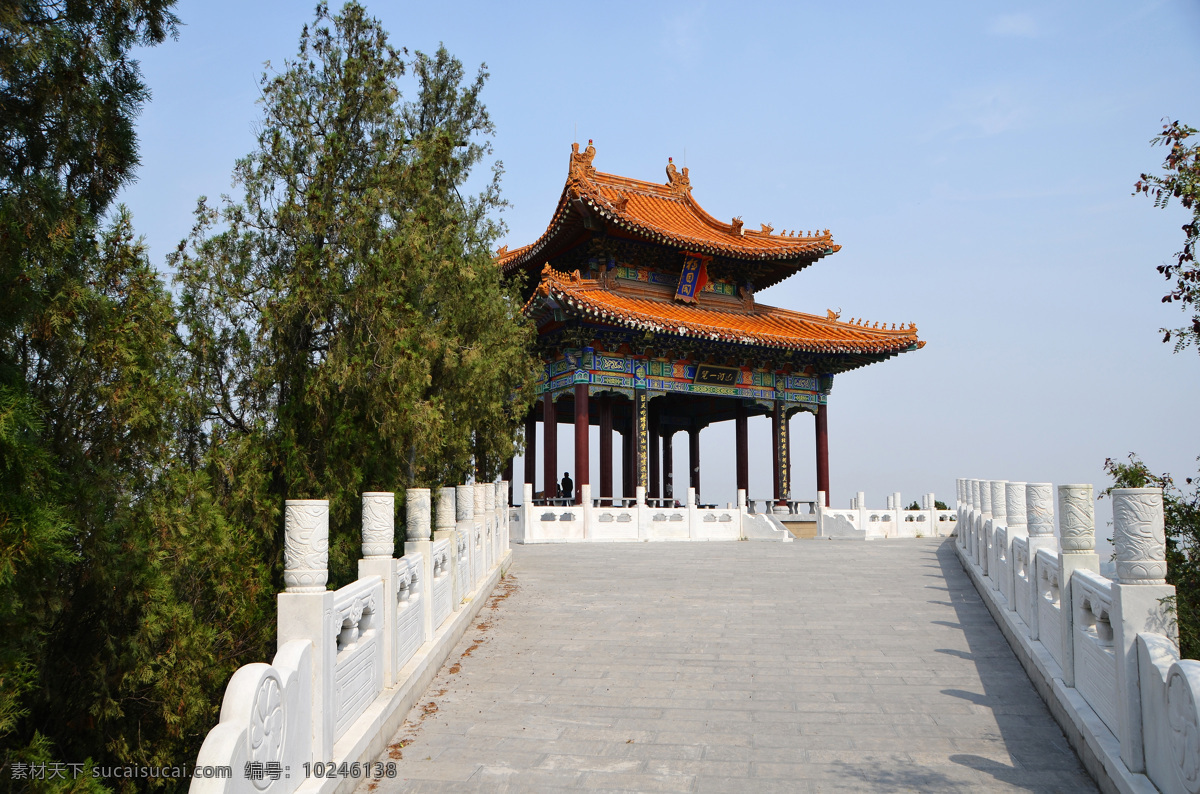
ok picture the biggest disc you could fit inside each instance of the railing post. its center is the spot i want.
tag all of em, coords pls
(503, 502)
(526, 512)
(585, 508)
(464, 512)
(1137, 603)
(1077, 526)
(973, 549)
(489, 524)
(417, 531)
(305, 604)
(444, 522)
(378, 550)
(959, 508)
(479, 566)
(1015, 512)
(985, 525)
(1039, 523)
(1002, 575)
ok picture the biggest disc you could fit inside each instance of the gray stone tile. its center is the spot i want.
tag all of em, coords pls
(737, 667)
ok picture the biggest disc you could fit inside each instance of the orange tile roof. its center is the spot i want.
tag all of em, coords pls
(663, 213)
(759, 325)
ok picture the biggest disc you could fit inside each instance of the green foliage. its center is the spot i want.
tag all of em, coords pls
(340, 329)
(348, 327)
(1180, 180)
(1182, 517)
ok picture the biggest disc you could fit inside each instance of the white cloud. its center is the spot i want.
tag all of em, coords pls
(1021, 25)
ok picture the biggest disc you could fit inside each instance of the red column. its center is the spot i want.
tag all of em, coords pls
(776, 461)
(531, 449)
(629, 460)
(742, 446)
(653, 489)
(606, 444)
(668, 465)
(823, 452)
(549, 447)
(582, 459)
(694, 457)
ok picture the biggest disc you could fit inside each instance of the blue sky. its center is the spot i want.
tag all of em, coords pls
(974, 160)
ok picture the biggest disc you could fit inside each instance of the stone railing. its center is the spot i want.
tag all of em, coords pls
(862, 523)
(592, 522)
(351, 662)
(1102, 653)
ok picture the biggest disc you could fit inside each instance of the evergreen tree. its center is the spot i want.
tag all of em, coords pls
(69, 94)
(348, 327)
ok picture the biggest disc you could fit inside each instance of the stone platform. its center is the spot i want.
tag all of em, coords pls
(733, 667)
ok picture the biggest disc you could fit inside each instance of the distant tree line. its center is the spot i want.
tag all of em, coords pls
(337, 326)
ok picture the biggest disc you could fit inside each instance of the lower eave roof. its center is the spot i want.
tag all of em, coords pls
(758, 324)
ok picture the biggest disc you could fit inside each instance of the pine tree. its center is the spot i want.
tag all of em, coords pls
(348, 327)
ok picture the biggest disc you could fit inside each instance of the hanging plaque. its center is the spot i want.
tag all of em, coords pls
(716, 376)
(693, 278)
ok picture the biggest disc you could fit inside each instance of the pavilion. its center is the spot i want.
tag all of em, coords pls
(647, 325)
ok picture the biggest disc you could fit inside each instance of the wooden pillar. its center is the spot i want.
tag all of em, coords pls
(694, 457)
(641, 432)
(531, 448)
(779, 423)
(787, 465)
(582, 456)
(776, 493)
(628, 459)
(668, 464)
(549, 447)
(742, 449)
(823, 452)
(507, 476)
(606, 444)
(653, 490)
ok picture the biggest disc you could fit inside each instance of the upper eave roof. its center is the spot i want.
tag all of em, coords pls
(758, 325)
(662, 213)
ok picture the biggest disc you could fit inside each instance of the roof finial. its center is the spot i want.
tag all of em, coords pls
(581, 162)
(676, 180)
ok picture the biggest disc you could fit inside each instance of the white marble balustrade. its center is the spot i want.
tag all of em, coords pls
(351, 662)
(1102, 652)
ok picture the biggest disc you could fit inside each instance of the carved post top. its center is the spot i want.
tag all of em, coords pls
(416, 511)
(985, 496)
(999, 500)
(502, 494)
(1077, 518)
(378, 524)
(1015, 511)
(489, 497)
(958, 490)
(306, 545)
(973, 493)
(443, 516)
(480, 498)
(464, 502)
(1139, 535)
(1039, 508)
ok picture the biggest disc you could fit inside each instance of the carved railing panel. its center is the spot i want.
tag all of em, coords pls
(1021, 577)
(410, 623)
(358, 671)
(1049, 603)
(1095, 658)
(442, 585)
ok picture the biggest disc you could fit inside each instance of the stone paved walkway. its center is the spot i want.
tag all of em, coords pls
(733, 667)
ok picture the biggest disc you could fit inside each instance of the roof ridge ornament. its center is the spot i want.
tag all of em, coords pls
(581, 168)
(678, 180)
